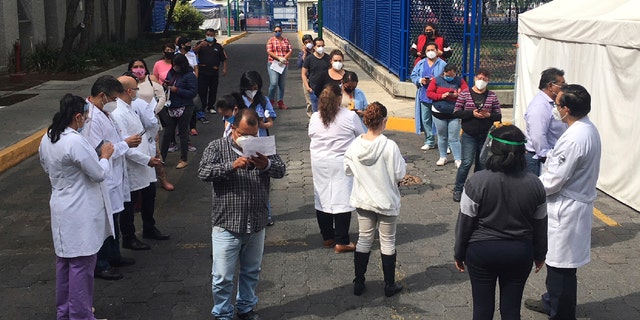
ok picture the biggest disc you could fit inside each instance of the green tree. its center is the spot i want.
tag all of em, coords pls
(186, 17)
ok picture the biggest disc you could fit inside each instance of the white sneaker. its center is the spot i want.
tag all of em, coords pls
(441, 162)
(458, 163)
(448, 150)
(426, 147)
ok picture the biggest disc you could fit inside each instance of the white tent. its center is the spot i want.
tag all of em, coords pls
(214, 14)
(597, 44)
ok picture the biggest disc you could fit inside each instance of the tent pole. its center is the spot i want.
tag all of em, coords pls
(228, 19)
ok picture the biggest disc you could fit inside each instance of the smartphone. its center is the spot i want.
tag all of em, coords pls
(99, 147)
(142, 132)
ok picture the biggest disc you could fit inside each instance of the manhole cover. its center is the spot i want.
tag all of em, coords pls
(15, 98)
(409, 180)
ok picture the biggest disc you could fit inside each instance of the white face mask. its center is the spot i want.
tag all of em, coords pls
(109, 107)
(556, 113)
(135, 95)
(320, 50)
(431, 54)
(251, 93)
(337, 65)
(309, 45)
(481, 84)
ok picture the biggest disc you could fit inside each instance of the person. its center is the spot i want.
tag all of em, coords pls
(243, 21)
(502, 226)
(331, 130)
(419, 46)
(306, 51)
(314, 68)
(252, 97)
(377, 167)
(162, 66)
(228, 106)
(542, 130)
(334, 74)
(181, 85)
(352, 97)
(444, 92)
(183, 46)
(211, 55)
(152, 93)
(278, 50)
(478, 108)
(140, 163)
(569, 177)
(421, 75)
(99, 129)
(80, 211)
(240, 192)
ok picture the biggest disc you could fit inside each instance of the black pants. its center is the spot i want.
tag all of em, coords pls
(208, 88)
(562, 290)
(170, 130)
(507, 261)
(148, 195)
(340, 233)
(110, 249)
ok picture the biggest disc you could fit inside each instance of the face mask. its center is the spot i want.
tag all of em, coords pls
(320, 50)
(309, 45)
(169, 55)
(429, 34)
(109, 107)
(139, 72)
(187, 48)
(229, 119)
(135, 95)
(349, 90)
(556, 113)
(337, 65)
(211, 39)
(251, 93)
(278, 33)
(449, 79)
(241, 139)
(83, 123)
(177, 48)
(177, 69)
(481, 84)
(431, 54)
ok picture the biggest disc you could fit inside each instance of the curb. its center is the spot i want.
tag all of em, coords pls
(234, 38)
(23, 149)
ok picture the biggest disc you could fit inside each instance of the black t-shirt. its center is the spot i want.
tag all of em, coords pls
(210, 57)
(479, 98)
(325, 81)
(317, 68)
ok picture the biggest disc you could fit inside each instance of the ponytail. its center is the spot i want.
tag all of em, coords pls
(70, 105)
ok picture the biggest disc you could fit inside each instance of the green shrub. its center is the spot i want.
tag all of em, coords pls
(42, 58)
(186, 17)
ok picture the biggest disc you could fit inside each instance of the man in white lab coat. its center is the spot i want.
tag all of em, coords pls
(140, 163)
(569, 177)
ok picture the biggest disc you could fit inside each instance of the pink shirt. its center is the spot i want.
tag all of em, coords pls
(160, 70)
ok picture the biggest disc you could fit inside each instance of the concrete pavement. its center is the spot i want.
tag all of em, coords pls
(300, 279)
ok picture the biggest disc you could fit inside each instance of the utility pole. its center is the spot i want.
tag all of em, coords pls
(228, 19)
(320, 19)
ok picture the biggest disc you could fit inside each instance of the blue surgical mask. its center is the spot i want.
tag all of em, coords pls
(448, 78)
(210, 39)
(278, 34)
(229, 119)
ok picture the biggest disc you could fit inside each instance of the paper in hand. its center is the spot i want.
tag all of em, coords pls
(277, 66)
(252, 145)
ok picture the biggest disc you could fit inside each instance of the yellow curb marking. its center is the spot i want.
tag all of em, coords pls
(604, 218)
(20, 151)
(401, 124)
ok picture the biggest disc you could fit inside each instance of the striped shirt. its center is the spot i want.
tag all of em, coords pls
(464, 110)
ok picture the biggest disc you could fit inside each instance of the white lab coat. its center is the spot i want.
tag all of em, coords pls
(146, 113)
(97, 128)
(80, 220)
(569, 177)
(128, 123)
(331, 186)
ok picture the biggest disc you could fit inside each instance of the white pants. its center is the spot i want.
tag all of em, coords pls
(367, 222)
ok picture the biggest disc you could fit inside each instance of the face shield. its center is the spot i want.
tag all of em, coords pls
(486, 153)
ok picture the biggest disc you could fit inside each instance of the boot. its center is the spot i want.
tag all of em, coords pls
(389, 271)
(360, 261)
(161, 175)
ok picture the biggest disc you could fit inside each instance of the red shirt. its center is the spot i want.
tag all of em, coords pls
(422, 41)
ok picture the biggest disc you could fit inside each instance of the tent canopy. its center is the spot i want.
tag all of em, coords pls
(204, 4)
(597, 44)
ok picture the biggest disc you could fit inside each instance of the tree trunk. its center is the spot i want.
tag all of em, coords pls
(123, 16)
(85, 35)
(104, 17)
(170, 16)
(70, 33)
(145, 9)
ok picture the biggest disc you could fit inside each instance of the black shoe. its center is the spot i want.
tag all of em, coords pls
(122, 262)
(251, 315)
(155, 234)
(270, 223)
(390, 289)
(108, 274)
(134, 244)
(535, 305)
(457, 195)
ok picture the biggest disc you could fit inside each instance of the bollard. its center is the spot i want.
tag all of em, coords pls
(18, 75)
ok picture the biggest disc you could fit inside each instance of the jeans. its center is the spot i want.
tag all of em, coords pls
(426, 118)
(314, 101)
(448, 135)
(339, 233)
(276, 81)
(507, 261)
(228, 248)
(562, 291)
(74, 287)
(533, 165)
(367, 222)
(170, 128)
(471, 147)
(147, 209)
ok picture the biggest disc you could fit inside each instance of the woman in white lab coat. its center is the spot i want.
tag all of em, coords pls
(569, 178)
(332, 129)
(80, 221)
